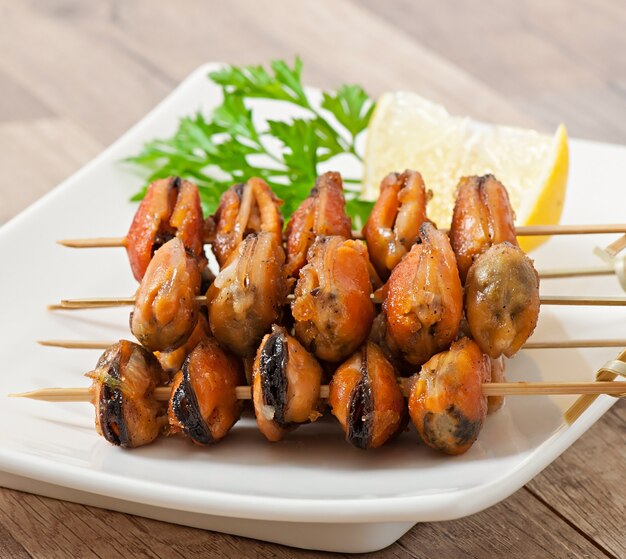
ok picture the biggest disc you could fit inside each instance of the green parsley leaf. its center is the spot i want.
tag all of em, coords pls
(351, 106)
(228, 146)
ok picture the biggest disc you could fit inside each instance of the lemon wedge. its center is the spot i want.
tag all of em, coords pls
(407, 131)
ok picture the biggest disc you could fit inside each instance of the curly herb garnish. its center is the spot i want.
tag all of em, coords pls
(227, 146)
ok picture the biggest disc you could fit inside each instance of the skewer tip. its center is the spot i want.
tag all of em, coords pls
(98, 242)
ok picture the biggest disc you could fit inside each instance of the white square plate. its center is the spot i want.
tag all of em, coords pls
(312, 490)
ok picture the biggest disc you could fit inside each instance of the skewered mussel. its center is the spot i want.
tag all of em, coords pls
(393, 226)
(423, 302)
(482, 217)
(323, 213)
(366, 399)
(446, 402)
(166, 310)
(127, 413)
(502, 300)
(171, 208)
(247, 295)
(332, 309)
(286, 383)
(245, 209)
(204, 403)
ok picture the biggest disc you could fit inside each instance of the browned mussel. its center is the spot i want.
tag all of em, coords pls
(127, 412)
(166, 310)
(171, 208)
(446, 402)
(286, 383)
(423, 303)
(366, 399)
(322, 213)
(247, 295)
(482, 217)
(502, 300)
(393, 226)
(245, 209)
(332, 309)
(204, 404)
(172, 361)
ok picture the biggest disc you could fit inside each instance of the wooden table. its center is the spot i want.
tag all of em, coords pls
(75, 75)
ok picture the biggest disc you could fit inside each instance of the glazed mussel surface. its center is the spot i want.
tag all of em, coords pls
(366, 399)
(247, 295)
(171, 208)
(423, 304)
(323, 213)
(332, 308)
(286, 383)
(393, 225)
(245, 209)
(166, 310)
(482, 217)
(127, 413)
(204, 403)
(446, 402)
(502, 300)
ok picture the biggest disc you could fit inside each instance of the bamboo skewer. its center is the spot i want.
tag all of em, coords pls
(563, 344)
(560, 273)
(96, 242)
(105, 302)
(608, 373)
(616, 247)
(521, 231)
(245, 392)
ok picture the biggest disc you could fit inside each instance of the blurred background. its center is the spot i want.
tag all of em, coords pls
(75, 75)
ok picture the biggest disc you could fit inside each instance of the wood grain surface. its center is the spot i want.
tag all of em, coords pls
(74, 75)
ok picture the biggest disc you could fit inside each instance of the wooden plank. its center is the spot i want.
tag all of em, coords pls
(517, 527)
(73, 71)
(556, 73)
(10, 547)
(65, 529)
(586, 484)
(35, 156)
(327, 32)
(18, 103)
(102, 90)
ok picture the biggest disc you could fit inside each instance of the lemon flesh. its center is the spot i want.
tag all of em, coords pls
(409, 132)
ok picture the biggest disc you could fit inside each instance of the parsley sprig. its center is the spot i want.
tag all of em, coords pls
(229, 146)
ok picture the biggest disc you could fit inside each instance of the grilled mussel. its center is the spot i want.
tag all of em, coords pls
(286, 382)
(166, 310)
(423, 302)
(482, 217)
(502, 300)
(322, 213)
(204, 404)
(446, 402)
(171, 208)
(332, 309)
(247, 295)
(127, 412)
(393, 226)
(245, 209)
(366, 399)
